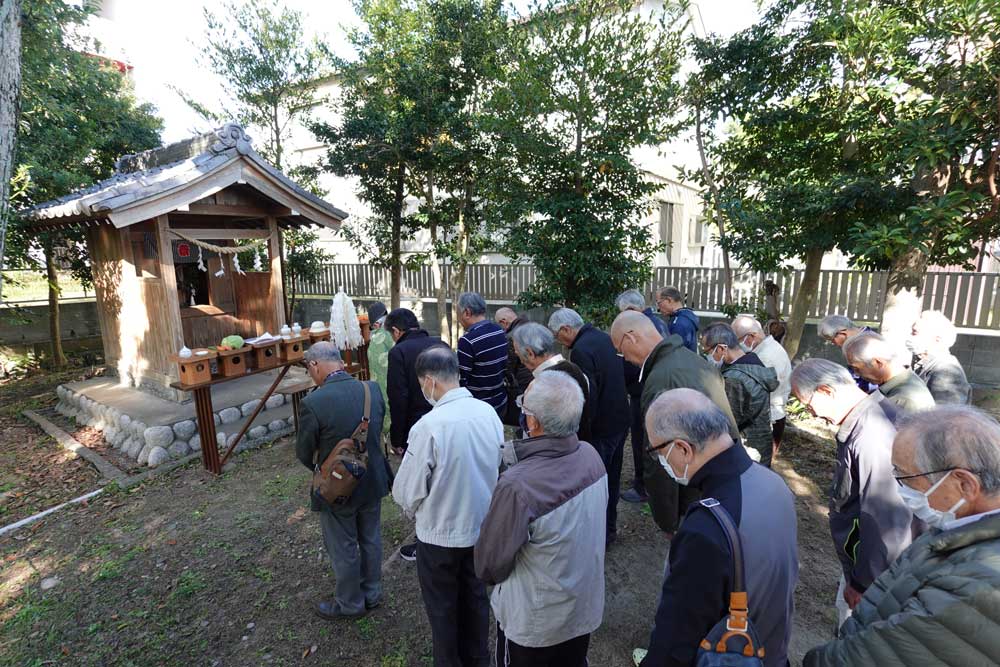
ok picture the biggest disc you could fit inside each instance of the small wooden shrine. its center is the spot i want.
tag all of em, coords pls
(185, 246)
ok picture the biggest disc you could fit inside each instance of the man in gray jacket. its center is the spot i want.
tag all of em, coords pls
(933, 334)
(939, 603)
(542, 545)
(446, 481)
(878, 361)
(869, 522)
(352, 532)
(749, 384)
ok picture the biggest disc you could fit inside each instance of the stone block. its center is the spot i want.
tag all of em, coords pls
(185, 429)
(138, 428)
(275, 401)
(143, 457)
(178, 449)
(277, 425)
(216, 419)
(195, 443)
(156, 456)
(247, 408)
(230, 415)
(158, 436)
(124, 421)
(257, 432)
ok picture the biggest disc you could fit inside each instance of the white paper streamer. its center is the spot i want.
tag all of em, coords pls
(201, 261)
(344, 327)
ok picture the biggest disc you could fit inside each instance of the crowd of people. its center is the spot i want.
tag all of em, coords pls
(914, 507)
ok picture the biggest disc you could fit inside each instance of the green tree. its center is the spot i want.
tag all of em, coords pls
(78, 114)
(591, 81)
(10, 97)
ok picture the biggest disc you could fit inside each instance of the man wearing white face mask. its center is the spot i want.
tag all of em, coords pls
(446, 481)
(869, 523)
(753, 339)
(939, 603)
(689, 437)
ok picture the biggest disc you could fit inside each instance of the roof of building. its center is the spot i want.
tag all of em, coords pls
(169, 178)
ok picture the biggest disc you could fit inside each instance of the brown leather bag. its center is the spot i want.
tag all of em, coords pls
(335, 479)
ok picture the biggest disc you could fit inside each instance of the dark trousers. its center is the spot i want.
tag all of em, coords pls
(353, 539)
(610, 450)
(638, 437)
(571, 653)
(457, 606)
(778, 432)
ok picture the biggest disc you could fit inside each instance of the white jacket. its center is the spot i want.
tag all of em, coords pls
(450, 469)
(774, 356)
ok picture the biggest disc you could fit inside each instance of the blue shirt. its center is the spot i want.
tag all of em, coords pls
(482, 360)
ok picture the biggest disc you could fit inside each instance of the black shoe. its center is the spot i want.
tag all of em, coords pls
(408, 552)
(634, 496)
(331, 611)
(373, 605)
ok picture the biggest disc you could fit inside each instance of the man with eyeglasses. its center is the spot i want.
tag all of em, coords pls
(939, 603)
(689, 438)
(869, 522)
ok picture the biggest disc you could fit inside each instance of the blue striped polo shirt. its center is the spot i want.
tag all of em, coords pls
(482, 360)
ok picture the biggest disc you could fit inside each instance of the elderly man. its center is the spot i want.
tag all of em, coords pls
(880, 362)
(933, 334)
(482, 352)
(406, 403)
(690, 438)
(666, 364)
(753, 339)
(749, 384)
(680, 320)
(379, 343)
(836, 329)
(352, 532)
(939, 603)
(633, 300)
(538, 545)
(446, 481)
(518, 376)
(592, 350)
(536, 347)
(869, 523)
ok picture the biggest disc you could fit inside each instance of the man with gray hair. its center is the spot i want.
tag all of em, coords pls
(536, 347)
(939, 603)
(752, 338)
(446, 480)
(517, 377)
(352, 532)
(933, 334)
(869, 522)
(482, 352)
(592, 350)
(836, 329)
(680, 320)
(689, 436)
(880, 362)
(633, 300)
(541, 544)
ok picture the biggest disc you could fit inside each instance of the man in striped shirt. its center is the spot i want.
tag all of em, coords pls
(482, 352)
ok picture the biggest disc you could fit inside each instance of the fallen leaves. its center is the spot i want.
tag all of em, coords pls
(309, 650)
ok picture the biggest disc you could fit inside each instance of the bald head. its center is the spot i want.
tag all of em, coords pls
(634, 336)
(504, 317)
(748, 331)
(695, 427)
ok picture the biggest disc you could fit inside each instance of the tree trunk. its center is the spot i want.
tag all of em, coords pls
(903, 299)
(803, 301)
(55, 330)
(10, 99)
(437, 270)
(395, 261)
(720, 221)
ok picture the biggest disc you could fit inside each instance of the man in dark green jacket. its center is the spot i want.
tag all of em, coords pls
(352, 532)
(749, 384)
(878, 361)
(666, 363)
(939, 602)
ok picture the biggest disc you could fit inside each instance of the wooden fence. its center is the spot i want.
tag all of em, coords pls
(971, 300)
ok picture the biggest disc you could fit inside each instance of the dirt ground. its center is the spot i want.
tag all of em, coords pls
(190, 570)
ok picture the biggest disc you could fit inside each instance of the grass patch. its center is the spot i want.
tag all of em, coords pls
(189, 583)
(113, 568)
(367, 627)
(283, 487)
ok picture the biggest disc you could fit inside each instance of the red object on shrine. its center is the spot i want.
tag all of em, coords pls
(183, 250)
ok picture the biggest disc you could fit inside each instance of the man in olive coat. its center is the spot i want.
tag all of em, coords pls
(666, 363)
(352, 532)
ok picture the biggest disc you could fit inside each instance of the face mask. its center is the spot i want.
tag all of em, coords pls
(717, 362)
(430, 399)
(743, 346)
(919, 504)
(683, 479)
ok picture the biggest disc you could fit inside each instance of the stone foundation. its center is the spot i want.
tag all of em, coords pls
(153, 445)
